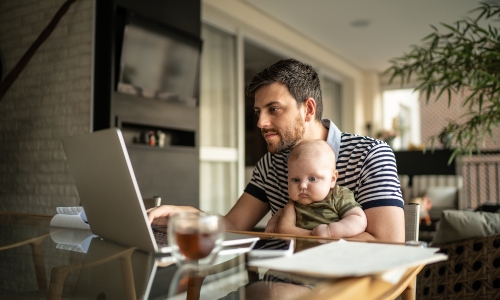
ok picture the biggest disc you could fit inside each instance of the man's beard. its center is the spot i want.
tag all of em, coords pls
(288, 137)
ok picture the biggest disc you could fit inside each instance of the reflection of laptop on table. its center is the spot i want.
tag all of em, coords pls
(108, 190)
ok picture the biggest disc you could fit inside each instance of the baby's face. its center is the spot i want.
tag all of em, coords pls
(310, 180)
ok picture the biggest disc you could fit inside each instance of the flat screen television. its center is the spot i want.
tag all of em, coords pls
(158, 62)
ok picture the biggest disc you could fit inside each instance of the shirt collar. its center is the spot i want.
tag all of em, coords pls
(334, 136)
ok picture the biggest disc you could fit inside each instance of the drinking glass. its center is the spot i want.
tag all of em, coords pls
(195, 237)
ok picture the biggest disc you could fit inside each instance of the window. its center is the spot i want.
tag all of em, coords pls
(401, 119)
(332, 100)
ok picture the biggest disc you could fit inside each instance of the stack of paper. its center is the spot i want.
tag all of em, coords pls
(352, 259)
(71, 217)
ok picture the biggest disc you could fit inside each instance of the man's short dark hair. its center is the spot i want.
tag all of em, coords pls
(300, 79)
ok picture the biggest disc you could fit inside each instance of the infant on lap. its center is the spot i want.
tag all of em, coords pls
(324, 207)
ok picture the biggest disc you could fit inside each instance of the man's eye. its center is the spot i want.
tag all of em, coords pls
(313, 179)
(273, 109)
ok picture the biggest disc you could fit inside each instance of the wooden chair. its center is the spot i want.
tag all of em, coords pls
(152, 202)
(36, 249)
(412, 220)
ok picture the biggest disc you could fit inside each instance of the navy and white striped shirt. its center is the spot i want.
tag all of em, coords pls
(366, 166)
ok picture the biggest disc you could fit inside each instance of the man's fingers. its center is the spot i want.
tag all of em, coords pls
(155, 213)
(159, 215)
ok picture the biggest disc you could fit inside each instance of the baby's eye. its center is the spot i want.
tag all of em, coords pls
(295, 180)
(313, 179)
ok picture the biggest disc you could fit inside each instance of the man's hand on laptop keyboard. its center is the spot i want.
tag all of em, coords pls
(159, 215)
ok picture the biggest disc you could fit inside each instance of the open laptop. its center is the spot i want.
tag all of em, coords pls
(109, 192)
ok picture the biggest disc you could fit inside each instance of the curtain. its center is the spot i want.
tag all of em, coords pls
(218, 116)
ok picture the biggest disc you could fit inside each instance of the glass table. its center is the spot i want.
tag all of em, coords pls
(42, 262)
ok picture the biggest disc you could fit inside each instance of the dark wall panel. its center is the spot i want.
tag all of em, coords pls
(183, 15)
(429, 163)
(170, 171)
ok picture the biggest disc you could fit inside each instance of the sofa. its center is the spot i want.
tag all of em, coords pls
(472, 242)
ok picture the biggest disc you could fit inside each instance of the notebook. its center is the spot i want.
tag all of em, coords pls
(109, 192)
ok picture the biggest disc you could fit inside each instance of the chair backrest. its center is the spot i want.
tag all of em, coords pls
(412, 220)
(152, 202)
(421, 183)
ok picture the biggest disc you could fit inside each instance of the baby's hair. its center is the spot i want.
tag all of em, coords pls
(312, 148)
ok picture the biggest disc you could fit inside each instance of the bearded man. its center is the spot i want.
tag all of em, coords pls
(289, 106)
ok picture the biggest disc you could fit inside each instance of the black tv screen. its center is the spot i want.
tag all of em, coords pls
(158, 63)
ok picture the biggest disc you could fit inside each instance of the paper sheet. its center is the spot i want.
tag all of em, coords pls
(351, 259)
(69, 221)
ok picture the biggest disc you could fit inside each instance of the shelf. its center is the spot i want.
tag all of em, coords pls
(165, 149)
(134, 133)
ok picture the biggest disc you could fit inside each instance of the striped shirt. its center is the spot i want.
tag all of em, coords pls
(366, 166)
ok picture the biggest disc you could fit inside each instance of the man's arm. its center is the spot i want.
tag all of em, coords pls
(246, 213)
(353, 222)
(385, 224)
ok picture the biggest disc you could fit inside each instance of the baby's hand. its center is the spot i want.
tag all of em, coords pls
(322, 230)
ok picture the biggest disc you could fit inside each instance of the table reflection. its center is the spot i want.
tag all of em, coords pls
(38, 262)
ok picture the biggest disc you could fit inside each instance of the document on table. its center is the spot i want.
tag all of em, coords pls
(351, 259)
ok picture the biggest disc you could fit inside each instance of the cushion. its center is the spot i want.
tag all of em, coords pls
(443, 196)
(456, 225)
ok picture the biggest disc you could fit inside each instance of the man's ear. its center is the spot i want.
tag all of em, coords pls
(335, 176)
(310, 109)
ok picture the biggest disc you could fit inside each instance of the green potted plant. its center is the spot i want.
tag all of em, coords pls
(465, 56)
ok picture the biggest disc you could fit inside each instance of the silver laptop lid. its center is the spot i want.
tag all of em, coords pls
(107, 187)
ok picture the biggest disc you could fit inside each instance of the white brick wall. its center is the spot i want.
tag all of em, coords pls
(51, 99)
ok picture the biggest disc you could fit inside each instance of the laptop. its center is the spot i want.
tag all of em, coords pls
(109, 192)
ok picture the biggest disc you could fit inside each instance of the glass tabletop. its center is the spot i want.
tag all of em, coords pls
(42, 262)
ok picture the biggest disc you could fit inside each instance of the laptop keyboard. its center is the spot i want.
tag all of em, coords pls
(161, 238)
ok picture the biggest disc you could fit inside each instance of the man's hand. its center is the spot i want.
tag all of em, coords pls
(287, 222)
(272, 224)
(288, 218)
(159, 215)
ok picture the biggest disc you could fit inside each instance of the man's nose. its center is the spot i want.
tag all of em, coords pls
(263, 121)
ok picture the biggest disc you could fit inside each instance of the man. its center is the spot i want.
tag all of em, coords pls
(289, 105)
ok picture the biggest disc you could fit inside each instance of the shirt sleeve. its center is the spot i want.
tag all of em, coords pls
(256, 185)
(379, 183)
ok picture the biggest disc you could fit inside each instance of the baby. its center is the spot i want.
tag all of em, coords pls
(322, 206)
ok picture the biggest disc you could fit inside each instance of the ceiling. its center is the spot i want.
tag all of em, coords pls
(385, 28)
